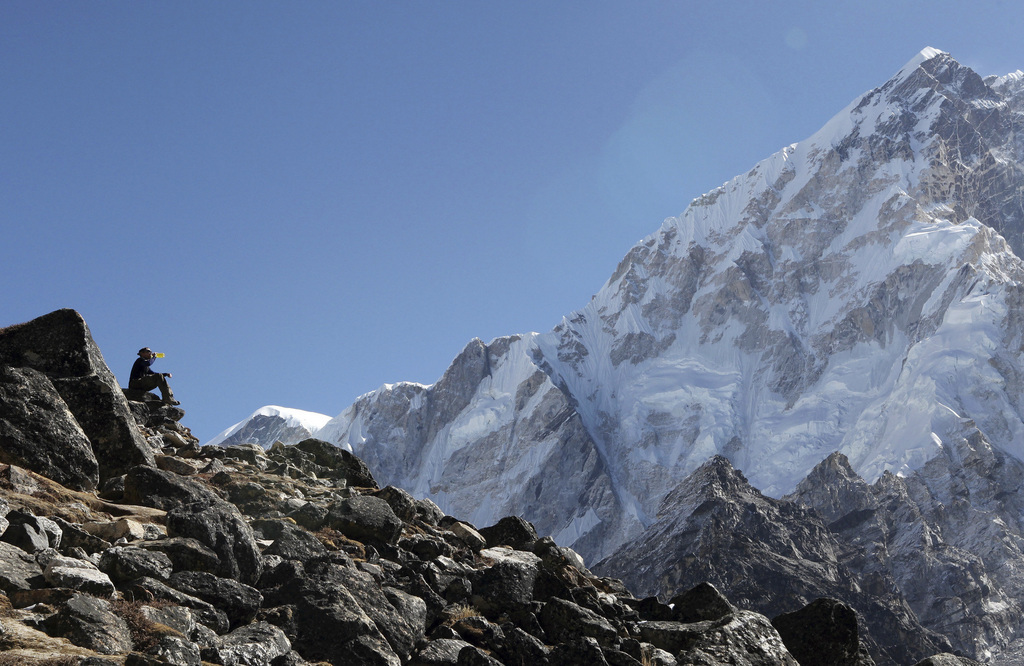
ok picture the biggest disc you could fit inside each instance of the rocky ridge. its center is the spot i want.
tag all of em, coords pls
(928, 561)
(294, 555)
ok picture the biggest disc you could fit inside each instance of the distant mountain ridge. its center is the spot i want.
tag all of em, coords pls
(270, 424)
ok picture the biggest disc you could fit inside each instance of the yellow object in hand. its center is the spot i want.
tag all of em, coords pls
(158, 355)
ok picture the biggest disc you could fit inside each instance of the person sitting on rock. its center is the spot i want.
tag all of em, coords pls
(144, 379)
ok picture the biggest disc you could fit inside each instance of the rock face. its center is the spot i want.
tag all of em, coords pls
(781, 556)
(40, 433)
(54, 360)
(948, 537)
(213, 565)
(495, 409)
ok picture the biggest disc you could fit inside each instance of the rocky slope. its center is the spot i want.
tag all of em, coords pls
(293, 555)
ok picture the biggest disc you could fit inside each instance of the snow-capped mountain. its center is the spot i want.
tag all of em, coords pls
(858, 292)
(270, 424)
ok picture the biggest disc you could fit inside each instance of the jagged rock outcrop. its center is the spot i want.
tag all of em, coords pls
(771, 556)
(948, 536)
(60, 347)
(40, 433)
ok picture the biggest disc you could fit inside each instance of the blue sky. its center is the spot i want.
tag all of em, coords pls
(300, 201)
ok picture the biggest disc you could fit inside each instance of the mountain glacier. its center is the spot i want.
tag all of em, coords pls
(858, 292)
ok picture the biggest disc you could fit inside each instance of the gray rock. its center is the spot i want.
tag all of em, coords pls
(257, 644)
(293, 543)
(468, 535)
(88, 622)
(428, 511)
(148, 589)
(564, 620)
(185, 553)
(825, 631)
(31, 533)
(330, 619)
(578, 651)
(176, 650)
(39, 432)
(523, 649)
(18, 569)
(365, 518)
(946, 659)
(175, 465)
(219, 526)
(702, 602)
(123, 564)
(60, 346)
(165, 490)
(401, 502)
(338, 462)
(79, 575)
(239, 601)
(439, 652)
(178, 618)
(511, 531)
(480, 632)
(507, 583)
(744, 639)
(73, 536)
(473, 656)
(310, 515)
(411, 608)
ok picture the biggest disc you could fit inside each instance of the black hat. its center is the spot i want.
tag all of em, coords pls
(145, 349)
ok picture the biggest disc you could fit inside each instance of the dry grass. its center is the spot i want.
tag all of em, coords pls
(145, 632)
(7, 659)
(458, 612)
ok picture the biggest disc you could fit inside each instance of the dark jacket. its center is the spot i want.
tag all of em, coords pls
(141, 369)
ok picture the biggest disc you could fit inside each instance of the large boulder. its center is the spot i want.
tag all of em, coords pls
(220, 527)
(256, 643)
(239, 601)
(330, 461)
(160, 489)
(31, 533)
(507, 583)
(511, 531)
(39, 432)
(342, 617)
(60, 346)
(18, 569)
(123, 564)
(365, 518)
(90, 623)
(823, 632)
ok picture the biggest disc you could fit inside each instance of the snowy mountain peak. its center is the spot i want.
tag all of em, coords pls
(858, 291)
(272, 423)
(926, 54)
